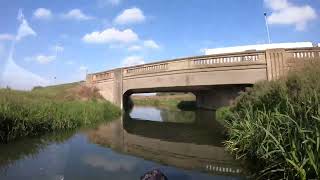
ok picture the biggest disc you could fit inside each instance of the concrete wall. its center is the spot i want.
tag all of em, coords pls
(218, 96)
(200, 74)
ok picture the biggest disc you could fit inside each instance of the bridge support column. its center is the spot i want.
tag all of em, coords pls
(117, 88)
(218, 96)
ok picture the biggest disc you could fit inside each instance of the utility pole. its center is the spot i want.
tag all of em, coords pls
(267, 27)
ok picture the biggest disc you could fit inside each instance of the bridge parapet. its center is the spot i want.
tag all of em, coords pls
(280, 61)
(197, 62)
(230, 58)
(145, 68)
(303, 54)
(100, 76)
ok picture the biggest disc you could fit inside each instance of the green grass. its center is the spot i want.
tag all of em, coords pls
(51, 109)
(171, 103)
(276, 125)
(180, 101)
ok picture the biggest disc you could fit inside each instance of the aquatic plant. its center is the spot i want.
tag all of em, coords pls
(277, 126)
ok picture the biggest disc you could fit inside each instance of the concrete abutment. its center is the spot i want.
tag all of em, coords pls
(218, 96)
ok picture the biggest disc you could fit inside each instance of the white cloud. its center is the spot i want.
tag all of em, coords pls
(130, 16)
(13, 75)
(17, 77)
(134, 48)
(111, 35)
(42, 59)
(2, 54)
(103, 3)
(6, 37)
(25, 30)
(151, 44)
(286, 13)
(145, 44)
(77, 14)
(42, 13)
(133, 60)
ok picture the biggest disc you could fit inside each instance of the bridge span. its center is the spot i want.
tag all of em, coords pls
(215, 79)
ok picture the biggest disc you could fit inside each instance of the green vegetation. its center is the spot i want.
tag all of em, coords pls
(277, 125)
(50, 109)
(166, 100)
(222, 114)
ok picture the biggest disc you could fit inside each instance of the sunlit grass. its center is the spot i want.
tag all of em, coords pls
(165, 101)
(46, 110)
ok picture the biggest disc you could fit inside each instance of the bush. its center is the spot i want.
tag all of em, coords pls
(277, 124)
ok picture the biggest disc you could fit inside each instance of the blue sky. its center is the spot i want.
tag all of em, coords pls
(56, 41)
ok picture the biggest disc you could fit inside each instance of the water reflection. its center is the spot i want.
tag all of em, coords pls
(35, 157)
(29, 147)
(125, 149)
(162, 115)
(194, 146)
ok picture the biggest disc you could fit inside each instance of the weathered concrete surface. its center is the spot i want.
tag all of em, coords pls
(218, 96)
(200, 75)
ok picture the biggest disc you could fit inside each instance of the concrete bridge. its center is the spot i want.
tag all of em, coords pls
(215, 79)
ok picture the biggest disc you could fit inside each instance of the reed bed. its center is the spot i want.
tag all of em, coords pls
(37, 112)
(276, 125)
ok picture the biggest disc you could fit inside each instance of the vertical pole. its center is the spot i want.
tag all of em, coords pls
(267, 27)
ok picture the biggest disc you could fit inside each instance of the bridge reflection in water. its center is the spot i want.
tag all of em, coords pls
(193, 141)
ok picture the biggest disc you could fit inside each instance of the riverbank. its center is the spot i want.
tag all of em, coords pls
(181, 101)
(276, 125)
(49, 109)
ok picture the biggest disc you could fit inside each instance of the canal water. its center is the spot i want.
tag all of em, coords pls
(184, 145)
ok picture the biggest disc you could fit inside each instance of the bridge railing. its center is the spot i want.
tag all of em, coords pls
(196, 62)
(100, 76)
(230, 58)
(303, 54)
(146, 68)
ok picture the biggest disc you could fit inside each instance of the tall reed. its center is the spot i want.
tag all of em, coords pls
(33, 113)
(277, 126)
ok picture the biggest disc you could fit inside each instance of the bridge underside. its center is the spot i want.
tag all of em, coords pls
(207, 97)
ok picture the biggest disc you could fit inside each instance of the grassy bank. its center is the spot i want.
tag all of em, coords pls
(277, 126)
(165, 101)
(50, 109)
